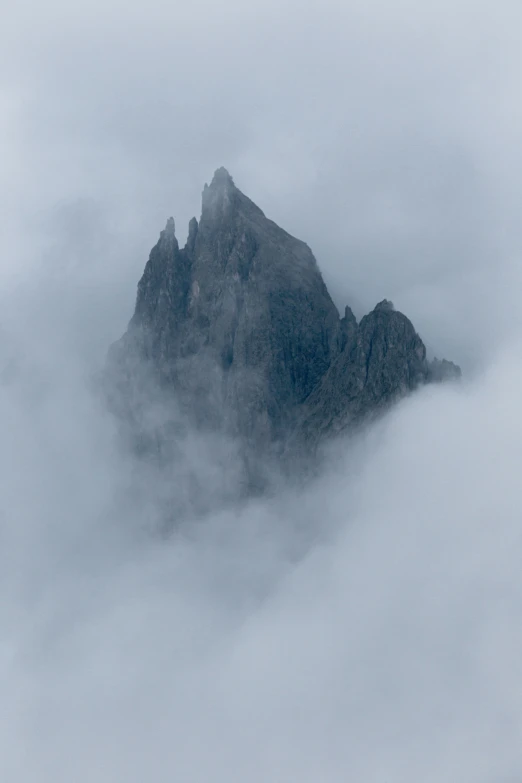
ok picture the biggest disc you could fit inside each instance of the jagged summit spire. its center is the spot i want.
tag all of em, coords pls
(221, 182)
(170, 228)
(221, 177)
(218, 196)
(385, 306)
(168, 235)
(239, 327)
(222, 198)
(192, 234)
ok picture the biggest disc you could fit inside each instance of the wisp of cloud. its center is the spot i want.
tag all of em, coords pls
(367, 628)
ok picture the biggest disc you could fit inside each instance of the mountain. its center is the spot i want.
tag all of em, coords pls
(237, 333)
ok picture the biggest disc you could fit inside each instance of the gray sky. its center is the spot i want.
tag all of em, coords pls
(369, 630)
(384, 134)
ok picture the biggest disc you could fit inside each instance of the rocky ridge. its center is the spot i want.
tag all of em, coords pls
(238, 331)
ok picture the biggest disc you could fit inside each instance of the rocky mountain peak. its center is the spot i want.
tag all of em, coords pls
(222, 179)
(170, 228)
(223, 204)
(384, 306)
(220, 196)
(239, 329)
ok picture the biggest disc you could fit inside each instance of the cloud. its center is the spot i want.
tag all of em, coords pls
(368, 628)
(386, 135)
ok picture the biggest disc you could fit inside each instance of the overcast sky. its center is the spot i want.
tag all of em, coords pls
(385, 134)
(369, 631)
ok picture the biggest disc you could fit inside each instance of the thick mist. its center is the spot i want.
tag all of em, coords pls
(366, 628)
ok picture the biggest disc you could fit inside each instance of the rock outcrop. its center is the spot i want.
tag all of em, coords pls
(239, 332)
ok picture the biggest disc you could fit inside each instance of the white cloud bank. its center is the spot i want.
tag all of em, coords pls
(368, 630)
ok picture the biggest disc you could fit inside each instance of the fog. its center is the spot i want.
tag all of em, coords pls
(366, 628)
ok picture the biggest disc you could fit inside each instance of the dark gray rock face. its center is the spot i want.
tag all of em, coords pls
(442, 370)
(239, 323)
(383, 359)
(239, 329)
